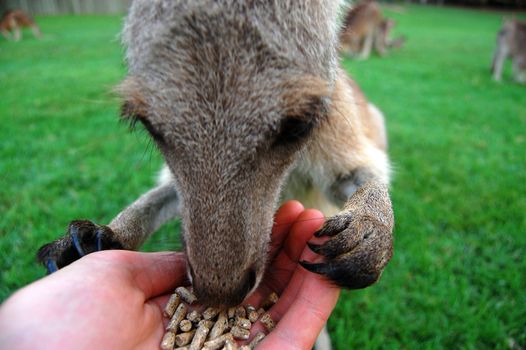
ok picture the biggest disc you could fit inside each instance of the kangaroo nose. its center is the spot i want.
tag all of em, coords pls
(227, 293)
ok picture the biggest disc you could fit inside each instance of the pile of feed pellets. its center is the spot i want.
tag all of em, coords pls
(214, 328)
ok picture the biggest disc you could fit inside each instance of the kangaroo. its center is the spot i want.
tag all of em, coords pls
(248, 105)
(366, 29)
(511, 43)
(13, 20)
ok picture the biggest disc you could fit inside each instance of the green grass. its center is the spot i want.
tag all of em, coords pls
(457, 142)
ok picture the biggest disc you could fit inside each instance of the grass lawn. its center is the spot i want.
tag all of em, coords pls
(457, 141)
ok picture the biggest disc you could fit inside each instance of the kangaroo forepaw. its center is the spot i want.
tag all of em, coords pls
(358, 250)
(83, 237)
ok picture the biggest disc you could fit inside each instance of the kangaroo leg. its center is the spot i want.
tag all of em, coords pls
(501, 53)
(17, 33)
(128, 230)
(360, 235)
(367, 46)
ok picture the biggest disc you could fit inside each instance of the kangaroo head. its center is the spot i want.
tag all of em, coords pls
(231, 92)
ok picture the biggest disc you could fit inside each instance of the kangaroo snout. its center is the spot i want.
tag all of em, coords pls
(226, 243)
(230, 290)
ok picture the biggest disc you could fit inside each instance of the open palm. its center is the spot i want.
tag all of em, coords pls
(114, 299)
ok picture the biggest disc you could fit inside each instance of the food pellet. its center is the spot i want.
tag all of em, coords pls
(230, 345)
(257, 339)
(168, 341)
(199, 337)
(187, 296)
(184, 338)
(240, 333)
(205, 323)
(267, 321)
(172, 304)
(178, 316)
(253, 316)
(243, 323)
(218, 342)
(210, 313)
(220, 326)
(270, 301)
(250, 308)
(194, 317)
(214, 328)
(241, 312)
(185, 326)
(232, 312)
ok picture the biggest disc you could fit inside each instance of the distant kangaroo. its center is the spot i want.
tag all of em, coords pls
(365, 29)
(13, 21)
(511, 43)
(246, 102)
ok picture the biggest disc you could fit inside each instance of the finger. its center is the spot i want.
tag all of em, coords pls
(155, 273)
(285, 217)
(306, 224)
(303, 319)
(288, 286)
(279, 273)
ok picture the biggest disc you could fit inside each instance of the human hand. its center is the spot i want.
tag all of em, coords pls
(306, 299)
(106, 300)
(114, 299)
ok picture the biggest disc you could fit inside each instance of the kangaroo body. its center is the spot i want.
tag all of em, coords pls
(248, 105)
(12, 23)
(511, 43)
(365, 29)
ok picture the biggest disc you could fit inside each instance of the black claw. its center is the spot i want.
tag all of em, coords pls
(325, 230)
(74, 232)
(315, 248)
(99, 239)
(51, 266)
(319, 233)
(332, 227)
(314, 267)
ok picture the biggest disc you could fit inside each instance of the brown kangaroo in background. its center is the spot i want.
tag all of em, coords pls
(248, 105)
(13, 21)
(365, 29)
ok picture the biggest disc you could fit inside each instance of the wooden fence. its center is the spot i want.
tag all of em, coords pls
(52, 7)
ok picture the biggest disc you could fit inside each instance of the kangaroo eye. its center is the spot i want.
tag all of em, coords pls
(133, 115)
(157, 136)
(292, 130)
(301, 117)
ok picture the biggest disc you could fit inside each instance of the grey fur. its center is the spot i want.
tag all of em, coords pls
(213, 75)
(511, 43)
(218, 84)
